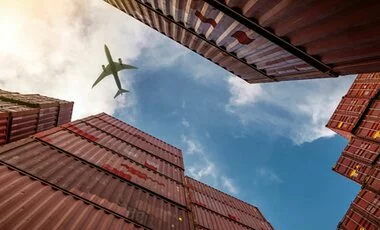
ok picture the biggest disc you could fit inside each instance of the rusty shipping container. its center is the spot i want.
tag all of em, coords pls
(149, 138)
(269, 41)
(347, 115)
(21, 121)
(365, 86)
(113, 162)
(373, 179)
(369, 127)
(222, 197)
(29, 203)
(362, 150)
(247, 219)
(97, 186)
(352, 169)
(135, 139)
(356, 220)
(123, 148)
(368, 203)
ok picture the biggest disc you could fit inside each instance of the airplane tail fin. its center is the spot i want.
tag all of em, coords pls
(121, 91)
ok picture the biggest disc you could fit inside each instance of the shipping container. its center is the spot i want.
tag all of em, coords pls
(373, 112)
(134, 140)
(149, 138)
(109, 190)
(352, 169)
(362, 150)
(369, 129)
(354, 220)
(365, 86)
(269, 41)
(86, 149)
(368, 203)
(4, 121)
(247, 219)
(123, 148)
(222, 197)
(206, 219)
(29, 203)
(373, 179)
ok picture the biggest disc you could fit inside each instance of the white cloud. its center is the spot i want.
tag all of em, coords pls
(267, 176)
(229, 185)
(192, 145)
(56, 49)
(298, 110)
(185, 123)
(203, 167)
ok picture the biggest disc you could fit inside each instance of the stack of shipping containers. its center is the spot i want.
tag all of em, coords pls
(357, 118)
(22, 115)
(213, 209)
(97, 172)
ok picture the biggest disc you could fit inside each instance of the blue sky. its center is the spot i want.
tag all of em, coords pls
(265, 144)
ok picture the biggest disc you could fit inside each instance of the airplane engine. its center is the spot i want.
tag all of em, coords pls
(120, 61)
(104, 68)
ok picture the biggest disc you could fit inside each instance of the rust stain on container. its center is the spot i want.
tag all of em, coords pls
(117, 164)
(94, 184)
(267, 41)
(134, 139)
(26, 203)
(122, 147)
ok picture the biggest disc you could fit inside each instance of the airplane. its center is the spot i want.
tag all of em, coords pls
(113, 68)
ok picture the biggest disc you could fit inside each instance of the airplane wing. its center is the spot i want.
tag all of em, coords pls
(123, 66)
(107, 71)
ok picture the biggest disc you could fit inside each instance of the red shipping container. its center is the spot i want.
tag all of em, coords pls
(373, 180)
(118, 164)
(134, 140)
(115, 144)
(26, 203)
(352, 169)
(206, 219)
(373, 112)
(4, 120)
(365, 86)
(354, 220)
(149, 138)
(248, 219)
(368, 203)
(94, 184)
(222, 197)
(362, 150)
(369, 129)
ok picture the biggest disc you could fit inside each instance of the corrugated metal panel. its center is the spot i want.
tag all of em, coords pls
(266, 41)
(222, 197)
(368, 203)
(227, 211)
(352, 169)
(355, 220)
(365, 86)
(113, 162)
(97, 186)
(22, 120)
(123, 148)
(362, 150)
(369, 129)
(373, 180)
(206, 219)
(134, 139)
(4, 121)
(26, 203)
(149, 138)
